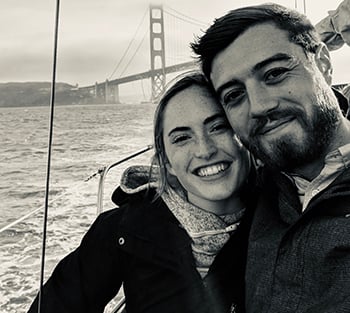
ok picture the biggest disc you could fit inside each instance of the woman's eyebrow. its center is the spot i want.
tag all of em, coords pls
(205, 122)
(213, 118)
(178, 129)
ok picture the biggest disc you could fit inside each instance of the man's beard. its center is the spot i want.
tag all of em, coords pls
(287, 154)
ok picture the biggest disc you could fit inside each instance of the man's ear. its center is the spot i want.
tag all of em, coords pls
(323, 61)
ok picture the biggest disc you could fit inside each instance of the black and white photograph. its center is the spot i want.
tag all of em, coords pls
(174, 156)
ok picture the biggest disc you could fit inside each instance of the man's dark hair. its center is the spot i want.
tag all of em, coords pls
(227, 28)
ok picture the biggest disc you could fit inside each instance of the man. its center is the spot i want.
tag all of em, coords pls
(273, 77)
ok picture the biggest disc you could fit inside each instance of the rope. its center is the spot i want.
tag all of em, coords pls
(19, 220)
(52, 105)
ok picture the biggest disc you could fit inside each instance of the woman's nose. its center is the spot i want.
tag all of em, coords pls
(205, 148)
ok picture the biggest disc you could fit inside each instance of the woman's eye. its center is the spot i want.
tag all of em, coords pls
(233, 97)
(221, 126)
(179, 139)
(276, 74)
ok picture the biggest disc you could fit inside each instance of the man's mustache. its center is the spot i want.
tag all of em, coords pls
(261, 120)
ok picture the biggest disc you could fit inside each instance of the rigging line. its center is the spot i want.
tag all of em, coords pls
(304, 6)
(137, 49)
(99, 171)
(52, 105)
(43, 206)
(191, 18)
(127, 49)
(182, 19)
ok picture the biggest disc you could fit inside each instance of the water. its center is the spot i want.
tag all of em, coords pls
(86, 137)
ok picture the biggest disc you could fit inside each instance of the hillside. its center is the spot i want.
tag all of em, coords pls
(38, 93)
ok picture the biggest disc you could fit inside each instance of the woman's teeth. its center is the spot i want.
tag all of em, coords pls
(212, 170)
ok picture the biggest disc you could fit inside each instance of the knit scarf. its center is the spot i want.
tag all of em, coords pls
(208, 231)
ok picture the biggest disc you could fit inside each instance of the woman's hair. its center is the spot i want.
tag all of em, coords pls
(183, 81)
(227, 28)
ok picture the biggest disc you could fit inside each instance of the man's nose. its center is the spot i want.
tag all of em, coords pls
(262, 100)
(205, 148)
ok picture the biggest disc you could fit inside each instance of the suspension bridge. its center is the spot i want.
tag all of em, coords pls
(163, 30)
(109, 91)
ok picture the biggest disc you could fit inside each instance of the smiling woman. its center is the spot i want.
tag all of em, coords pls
(177, 242)
(202, 152)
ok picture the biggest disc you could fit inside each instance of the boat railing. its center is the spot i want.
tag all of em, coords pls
(101, 171)
(120, 306)
(104, 171)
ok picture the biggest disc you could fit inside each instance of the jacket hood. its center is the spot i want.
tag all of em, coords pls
(135, 179)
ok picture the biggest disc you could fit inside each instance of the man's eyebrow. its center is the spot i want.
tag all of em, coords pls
(275, 58)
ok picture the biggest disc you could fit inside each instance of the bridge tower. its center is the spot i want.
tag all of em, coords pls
(157, 49)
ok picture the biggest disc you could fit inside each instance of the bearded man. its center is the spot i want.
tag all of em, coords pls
(273, 76)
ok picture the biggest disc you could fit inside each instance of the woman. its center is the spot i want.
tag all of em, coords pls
(163, 241)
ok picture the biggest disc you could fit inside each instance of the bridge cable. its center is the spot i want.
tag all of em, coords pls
(184, 20)
(137, 49)
(130, 43)
(175, 53)
(304, 5)
(143, 90)
(188, 17)
(52, 105)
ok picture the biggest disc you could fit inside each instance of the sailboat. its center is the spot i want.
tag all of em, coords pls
(333, 40)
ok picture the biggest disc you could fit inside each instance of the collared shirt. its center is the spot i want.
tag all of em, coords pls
(335, 163)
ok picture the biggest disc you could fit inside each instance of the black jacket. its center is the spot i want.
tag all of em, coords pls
(300, 262)
(142, 245)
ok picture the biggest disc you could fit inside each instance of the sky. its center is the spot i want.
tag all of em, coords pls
(94, 35)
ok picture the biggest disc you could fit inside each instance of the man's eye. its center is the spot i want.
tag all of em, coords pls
(275, 75)
(233, 97)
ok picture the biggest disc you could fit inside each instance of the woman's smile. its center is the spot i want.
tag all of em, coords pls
(201, 149)
(212, 170)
